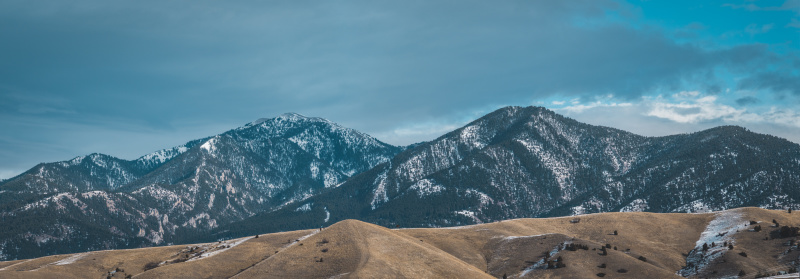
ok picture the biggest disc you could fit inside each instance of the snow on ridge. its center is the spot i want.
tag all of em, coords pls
(77, 160)
(209, 145)
(327, 215)
(164, 155)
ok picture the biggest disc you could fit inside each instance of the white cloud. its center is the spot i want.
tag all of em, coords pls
(684, 112)
(754, 29)
(694, 111)
(418, 132)
(577, 108)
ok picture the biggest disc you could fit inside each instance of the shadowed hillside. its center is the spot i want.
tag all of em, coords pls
(745, 241)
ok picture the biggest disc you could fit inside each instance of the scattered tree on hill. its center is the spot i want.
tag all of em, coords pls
(786, 231)
(790, 210)
(741, 273)
(505, 276)
(601, 274)
(575, 247)
(757, 228)
(753, 222)
(615, 232)
(560, 262)
(730, 247)
(602, 265)
(705, 247)
(622, 270)
(150, 265)
(743, 254)
(642, 258)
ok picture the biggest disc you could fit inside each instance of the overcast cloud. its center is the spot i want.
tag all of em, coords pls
(126, 78)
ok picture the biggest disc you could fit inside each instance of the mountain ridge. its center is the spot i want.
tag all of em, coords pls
(294, 172)
(538, 163)
(184, 190)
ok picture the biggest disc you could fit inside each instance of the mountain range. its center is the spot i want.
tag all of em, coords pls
(294, 172)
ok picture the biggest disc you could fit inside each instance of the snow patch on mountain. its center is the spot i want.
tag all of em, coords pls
(719, 231)
(330, 180)
(470, 214)
(218, 248)
(110, 204)
(426, 187)
(697, 206)
(637, 205)
(483, 198)
(379, 195)
(541, 263)
(562, 171)
(304, 208)
(471, 136)
(210, 145)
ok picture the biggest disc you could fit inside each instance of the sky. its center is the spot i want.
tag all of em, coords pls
(127, 78)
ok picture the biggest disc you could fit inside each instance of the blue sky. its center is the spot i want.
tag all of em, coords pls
(126, 78)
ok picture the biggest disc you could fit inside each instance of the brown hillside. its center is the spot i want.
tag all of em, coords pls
(647, 245)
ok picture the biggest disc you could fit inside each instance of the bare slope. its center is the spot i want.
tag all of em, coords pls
(646, 245)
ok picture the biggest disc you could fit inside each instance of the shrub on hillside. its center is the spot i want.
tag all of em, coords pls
(785, 231)
(150, 265)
